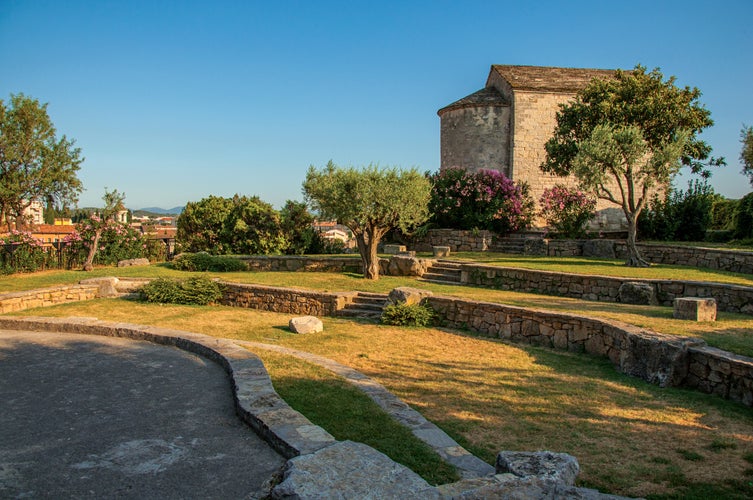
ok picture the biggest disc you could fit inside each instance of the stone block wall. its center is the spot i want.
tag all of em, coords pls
(19, 301)
(284, 300)
(458, 240)
(729, 298)
(666, 360)
(476, 137)
(302, 263)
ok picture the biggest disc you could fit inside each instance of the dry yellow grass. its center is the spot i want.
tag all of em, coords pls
(631, 438)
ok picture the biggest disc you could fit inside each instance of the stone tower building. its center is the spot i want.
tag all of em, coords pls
(505, 125)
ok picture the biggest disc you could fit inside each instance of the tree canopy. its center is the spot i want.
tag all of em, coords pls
(34, 163)
(623, 137)
(370, 201)
(746, 154)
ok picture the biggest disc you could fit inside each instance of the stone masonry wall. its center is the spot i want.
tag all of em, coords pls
(458, 240)
(476, 138)
(660, 359)
(729, 298)
(284, 300)
(19, 301)
(302, 263)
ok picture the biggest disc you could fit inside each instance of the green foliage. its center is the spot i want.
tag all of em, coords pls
(408, 315)
(681, 215)
(296, 223)
(198, 290)
(485, 199)
(744, 217)
(200, 225)
(203, 261)
(370, 201)
(21, 253)
(34, 163)
(253, 227)
(723, 213)
(746, 154)
(658, 108)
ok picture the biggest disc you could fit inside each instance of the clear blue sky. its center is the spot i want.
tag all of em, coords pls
(171, 101)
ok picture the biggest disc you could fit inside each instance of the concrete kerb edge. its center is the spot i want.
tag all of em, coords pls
(257, 403)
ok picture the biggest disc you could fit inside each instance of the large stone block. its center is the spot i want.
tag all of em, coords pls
(548, 466)
(393, 249)
(695, 308)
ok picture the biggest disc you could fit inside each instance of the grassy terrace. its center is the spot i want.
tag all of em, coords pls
(630, 437)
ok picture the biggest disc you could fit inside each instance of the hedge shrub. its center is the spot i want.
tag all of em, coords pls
(198, 290)
(408, 315)
(204, 262)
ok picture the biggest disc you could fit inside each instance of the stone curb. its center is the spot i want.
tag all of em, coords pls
(468, 465)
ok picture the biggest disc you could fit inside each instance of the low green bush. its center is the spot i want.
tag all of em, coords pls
(204, 262)
(408, 315)
(198, 290)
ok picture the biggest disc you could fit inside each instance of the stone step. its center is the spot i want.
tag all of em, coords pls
(442, 277)
(350, 312)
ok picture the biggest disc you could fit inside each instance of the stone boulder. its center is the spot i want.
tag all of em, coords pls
(603, 249)
(306, 324)
(133, 262)
(636, 292)
(545, 465)
(349, 470)
(404, 265)
(408, 296)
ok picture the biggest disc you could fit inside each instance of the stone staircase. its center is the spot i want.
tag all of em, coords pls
(522, 243)
(444, 272)
(365, 305)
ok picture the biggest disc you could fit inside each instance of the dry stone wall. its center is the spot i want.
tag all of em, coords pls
(302, 263)
(19, 301)
(284, 300)
(660, 359)
(729, 298)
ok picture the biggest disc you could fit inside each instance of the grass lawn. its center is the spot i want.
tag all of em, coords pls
(630, 437)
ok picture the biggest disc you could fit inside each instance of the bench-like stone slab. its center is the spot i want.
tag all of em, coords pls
(695, 308)
(441, 251)
(394, 249)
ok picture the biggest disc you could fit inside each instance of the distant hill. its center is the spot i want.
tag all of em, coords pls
(160, 211)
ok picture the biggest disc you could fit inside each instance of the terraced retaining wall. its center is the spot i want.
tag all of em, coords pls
(284, 300)
(481, 241)
(43, 297)
(665, 360)
(661, 359)
(302, 263)
(729, 298)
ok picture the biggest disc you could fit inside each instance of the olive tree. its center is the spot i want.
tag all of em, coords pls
(34, 163)
(370, 201)
(626, 137)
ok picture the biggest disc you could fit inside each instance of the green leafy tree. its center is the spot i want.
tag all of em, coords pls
(296, 223)
(370, 201)
(201, 223)
(746, 155)
(253, 227)
(624, 137)
(34, 163)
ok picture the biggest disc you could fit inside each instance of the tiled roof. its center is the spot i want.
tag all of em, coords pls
(54, 229)
(488, 96)
(549, 78)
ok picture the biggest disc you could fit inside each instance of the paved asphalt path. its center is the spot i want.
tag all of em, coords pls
(93, 417)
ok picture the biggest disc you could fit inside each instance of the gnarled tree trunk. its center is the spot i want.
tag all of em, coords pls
(634, 258)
